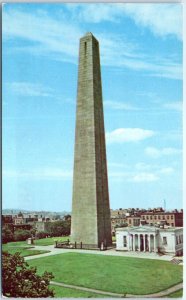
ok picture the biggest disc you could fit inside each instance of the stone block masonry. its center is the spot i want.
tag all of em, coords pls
(91, 223)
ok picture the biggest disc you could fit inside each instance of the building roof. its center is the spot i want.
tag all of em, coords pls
(147, 228)
(161, 213)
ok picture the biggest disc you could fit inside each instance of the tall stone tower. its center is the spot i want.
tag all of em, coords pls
(91, 222)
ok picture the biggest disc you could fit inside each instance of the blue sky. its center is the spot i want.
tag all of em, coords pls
(141, 64)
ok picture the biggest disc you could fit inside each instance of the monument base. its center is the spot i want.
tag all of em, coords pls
(68, 245)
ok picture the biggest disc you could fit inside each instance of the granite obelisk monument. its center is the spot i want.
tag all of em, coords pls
(91, 223)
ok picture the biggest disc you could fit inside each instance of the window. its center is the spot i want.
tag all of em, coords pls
(167, 217)
(147, 217)
(164, 240)
(154, 217)
(129, 221)
(159, 217)
(125, 241)
(172, 217)
(85, 47)
(163, 217)
(151, 217)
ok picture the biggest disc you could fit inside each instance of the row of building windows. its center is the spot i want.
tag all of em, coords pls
(159, 217)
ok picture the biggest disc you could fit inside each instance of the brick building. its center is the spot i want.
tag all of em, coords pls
(173, 219)
(7, 219)
(133, 220)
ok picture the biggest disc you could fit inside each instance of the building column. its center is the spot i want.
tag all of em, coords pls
(154, 243)
(149, 242)
(144, 248)
(139, 242)
(128, 242)
(134, 242)
(131, 242)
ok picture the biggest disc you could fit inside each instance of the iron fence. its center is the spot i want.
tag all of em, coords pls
(68, 245)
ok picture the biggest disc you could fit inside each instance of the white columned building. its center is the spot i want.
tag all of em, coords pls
(150, 239)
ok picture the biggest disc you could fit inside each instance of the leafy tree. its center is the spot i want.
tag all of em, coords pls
(7, 235)
(22, 235)
(20, 281)
(59, 228)
(41, 234)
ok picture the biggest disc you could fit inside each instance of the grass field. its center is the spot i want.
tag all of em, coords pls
(178, 294)
(62, 292)
(40, 242)
(111, 273)
(50, 241)
(24, 251)
(16, 244)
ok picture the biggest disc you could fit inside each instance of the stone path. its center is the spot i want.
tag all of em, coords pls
(154, 295)
(113, 252)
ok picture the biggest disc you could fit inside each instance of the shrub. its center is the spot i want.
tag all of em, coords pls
(20, 281)
(7, 235)
(41, 234)
(22, 235)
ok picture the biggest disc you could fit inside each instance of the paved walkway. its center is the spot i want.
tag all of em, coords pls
(112, 252)
(154, 295)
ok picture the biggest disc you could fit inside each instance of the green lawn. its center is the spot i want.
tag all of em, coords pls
(50, 241)
(24, 251)
(17, 244)
(178, 294)
(110, 273)
(62, 292)
(40, 242)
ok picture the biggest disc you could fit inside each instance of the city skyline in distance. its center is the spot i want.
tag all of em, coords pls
(141, 62)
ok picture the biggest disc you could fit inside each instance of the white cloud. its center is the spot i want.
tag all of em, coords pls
(29, 89)
(116, 105)
(166, 171)
(128, 56)
(142, 166)
(144, 177)
(117, 165)
(177, 105)
(156, 153)
(95, 13)
(161, 19)
(133, 176)
(49, 36)
(140, 172)
(122, 135)
(38, 174)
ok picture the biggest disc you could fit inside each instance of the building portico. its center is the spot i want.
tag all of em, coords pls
(141, 241)
(149, 239)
